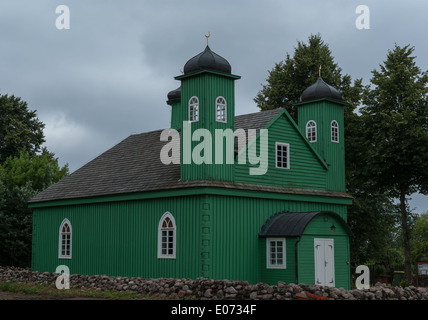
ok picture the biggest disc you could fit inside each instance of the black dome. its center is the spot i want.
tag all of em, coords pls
(175, 94)
(320, 89)
(207, 60)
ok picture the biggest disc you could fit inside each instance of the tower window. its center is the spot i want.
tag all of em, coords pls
(194, 109)
(64, 246)
(334, 131)
(166, 237)
(311, 131)
(282, 155)
(221, 109)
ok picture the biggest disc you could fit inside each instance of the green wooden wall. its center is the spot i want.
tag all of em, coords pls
(287, 275)
(217, 235)
(306, 170)
(118, 238)
(323, 112)
(207, 86)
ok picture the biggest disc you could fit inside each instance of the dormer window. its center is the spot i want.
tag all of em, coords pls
(194, 109)
(311, 131)
(221, 109)
(334, 131)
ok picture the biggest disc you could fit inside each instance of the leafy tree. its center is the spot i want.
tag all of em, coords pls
(19, 128)
(21, 178)
(396, 132)
(419, 242)
(25, 170)
(370, 218)
(289, 78)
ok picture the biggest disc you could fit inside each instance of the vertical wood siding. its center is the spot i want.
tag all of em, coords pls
(236, 222)
(287, 275)
(323, 112)
(119, 238)
(305, 170)
(217, 237)
(207, 87)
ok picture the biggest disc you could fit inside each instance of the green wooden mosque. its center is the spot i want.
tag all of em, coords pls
(252, 197)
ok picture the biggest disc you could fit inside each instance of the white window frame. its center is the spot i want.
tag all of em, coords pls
(60, 240)
(282, 144)
(309, 130)
(334, 126)
(193, 109)
(161, 235)
(221, 106)
(269, 264)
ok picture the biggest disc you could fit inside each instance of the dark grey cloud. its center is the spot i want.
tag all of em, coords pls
(108, 76)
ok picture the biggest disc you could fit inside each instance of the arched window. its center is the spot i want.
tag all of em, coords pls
(194, 109)
(221, 109)
(334, 131)
(311, 131)
(65, 233)
(167, 237)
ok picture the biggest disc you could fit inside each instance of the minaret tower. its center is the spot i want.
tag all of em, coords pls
(205, 100)
(321, 120)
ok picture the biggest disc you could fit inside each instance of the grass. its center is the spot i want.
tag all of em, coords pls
(52, 291)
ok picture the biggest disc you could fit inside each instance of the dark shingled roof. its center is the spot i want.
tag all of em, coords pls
(292, 224)
(207, 60)
(320, 89)
(174, 94)
(257, 120)
(134, 165)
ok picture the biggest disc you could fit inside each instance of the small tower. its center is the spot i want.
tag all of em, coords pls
(205, 100)
(321, 120)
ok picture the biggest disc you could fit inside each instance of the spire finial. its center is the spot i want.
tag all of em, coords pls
(207, 36)
(319, 71)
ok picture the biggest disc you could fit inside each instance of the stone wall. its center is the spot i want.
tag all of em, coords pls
(207, 289)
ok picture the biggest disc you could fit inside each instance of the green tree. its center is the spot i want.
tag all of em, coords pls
(19, 128)
(370, 218)
(396, 132)
(288, 79)
(419, 242)
(21, 178)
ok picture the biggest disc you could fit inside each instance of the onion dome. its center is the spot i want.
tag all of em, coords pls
(175, 94)
(320, 89)
(207, 60)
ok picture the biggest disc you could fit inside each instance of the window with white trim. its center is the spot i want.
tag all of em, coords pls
(334, 131)
(167, 237)
(282, 159)
(311, 131)
(194, 109)
(221, 108)
(64, 245)
(275, 253)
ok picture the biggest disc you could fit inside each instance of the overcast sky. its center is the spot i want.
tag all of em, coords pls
(108, 75)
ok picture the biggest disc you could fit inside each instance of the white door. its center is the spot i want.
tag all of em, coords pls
(324, 262)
